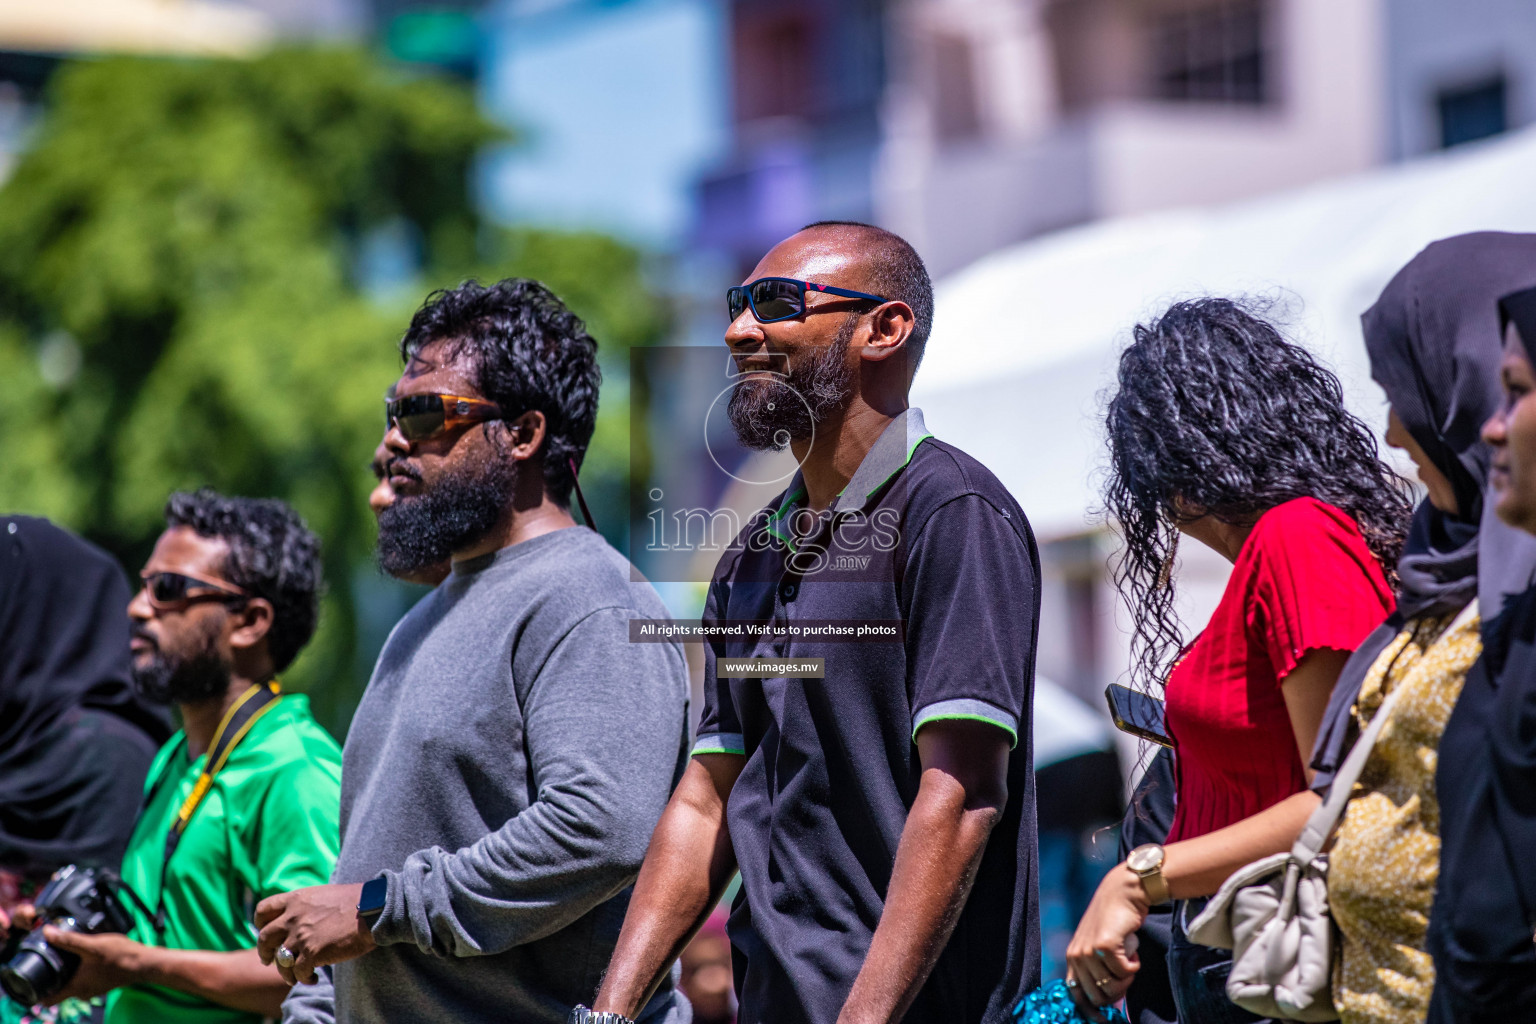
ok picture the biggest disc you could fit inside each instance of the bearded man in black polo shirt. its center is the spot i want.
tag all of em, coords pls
(882, 817)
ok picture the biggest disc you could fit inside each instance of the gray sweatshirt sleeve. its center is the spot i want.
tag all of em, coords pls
(311, 1004)
(604, 721)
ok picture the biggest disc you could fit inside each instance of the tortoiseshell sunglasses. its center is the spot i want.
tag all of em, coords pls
(423, 417)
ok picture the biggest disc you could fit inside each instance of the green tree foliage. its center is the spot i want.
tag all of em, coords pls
(179, 303)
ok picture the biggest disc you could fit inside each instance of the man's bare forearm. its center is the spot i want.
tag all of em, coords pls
(687, 867)
(936, 861)
(236, 980)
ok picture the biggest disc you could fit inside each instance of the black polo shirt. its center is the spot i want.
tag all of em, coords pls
(926, 537)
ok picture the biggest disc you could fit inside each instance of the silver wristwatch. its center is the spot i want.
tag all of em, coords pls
(582, 1015)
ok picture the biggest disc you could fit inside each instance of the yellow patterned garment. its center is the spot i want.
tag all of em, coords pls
(1381, 874)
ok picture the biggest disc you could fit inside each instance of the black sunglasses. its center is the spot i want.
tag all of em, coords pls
(423, 417)
(782, 298)
(174, 589)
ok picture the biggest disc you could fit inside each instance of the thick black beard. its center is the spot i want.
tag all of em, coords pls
(184, 679)
(422, 530)
(769, 413)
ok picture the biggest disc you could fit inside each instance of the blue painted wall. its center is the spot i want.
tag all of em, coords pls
(622, 104)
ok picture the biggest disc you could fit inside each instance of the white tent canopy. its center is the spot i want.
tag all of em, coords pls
(1025, 341)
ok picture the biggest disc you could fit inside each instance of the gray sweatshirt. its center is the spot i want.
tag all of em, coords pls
(504, 771)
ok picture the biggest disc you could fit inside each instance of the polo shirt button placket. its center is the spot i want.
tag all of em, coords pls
(788, 587)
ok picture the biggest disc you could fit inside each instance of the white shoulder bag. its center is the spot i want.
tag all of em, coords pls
(1273, 914)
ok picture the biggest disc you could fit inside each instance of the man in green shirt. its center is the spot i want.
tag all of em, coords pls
(230, 596)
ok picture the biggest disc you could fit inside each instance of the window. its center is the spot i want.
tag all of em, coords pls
(1472, 112)
(774, 64)
(1214, 53)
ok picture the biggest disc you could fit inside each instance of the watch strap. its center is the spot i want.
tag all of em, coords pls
(375, 893)
(582, 1015)
(1156, 887)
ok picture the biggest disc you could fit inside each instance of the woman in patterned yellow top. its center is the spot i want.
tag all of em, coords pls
(1435, 347)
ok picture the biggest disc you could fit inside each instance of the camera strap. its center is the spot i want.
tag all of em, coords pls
(237, 721)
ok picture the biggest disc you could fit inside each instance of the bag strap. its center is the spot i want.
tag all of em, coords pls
(1314, 836)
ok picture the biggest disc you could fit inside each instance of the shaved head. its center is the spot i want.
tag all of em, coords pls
(890, 268)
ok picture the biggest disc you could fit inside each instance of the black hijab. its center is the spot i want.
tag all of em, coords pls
(1435, 342)
(1519, 308)
(71, 724)
(1485, 901)
(1513, 728)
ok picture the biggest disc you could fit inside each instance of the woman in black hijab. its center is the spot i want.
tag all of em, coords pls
(1481, 929)
(1434, 344)
(75, 739)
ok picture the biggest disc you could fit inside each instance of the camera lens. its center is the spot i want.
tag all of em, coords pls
(28, 977)
(36, 972)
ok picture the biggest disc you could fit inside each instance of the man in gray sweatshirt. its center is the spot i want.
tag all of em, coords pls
(513, 751)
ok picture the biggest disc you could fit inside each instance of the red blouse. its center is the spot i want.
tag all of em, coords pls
(1304, 580)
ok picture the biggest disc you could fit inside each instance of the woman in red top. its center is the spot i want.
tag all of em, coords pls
(1224, 432)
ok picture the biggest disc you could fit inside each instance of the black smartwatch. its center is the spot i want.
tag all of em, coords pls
(371, 904)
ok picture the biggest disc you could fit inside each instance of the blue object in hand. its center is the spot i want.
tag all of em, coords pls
(1052, 1003)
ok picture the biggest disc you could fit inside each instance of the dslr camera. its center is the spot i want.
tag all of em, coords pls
(85, 900)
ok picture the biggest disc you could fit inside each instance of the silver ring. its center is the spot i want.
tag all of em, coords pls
(1071, 983)
(285, 958)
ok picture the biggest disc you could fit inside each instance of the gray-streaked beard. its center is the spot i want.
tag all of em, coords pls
(421, 530)
(770, 412)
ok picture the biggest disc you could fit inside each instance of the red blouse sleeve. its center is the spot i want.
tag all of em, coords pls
(1313, 583)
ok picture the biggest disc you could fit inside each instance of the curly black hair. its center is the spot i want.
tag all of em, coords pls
(1217, 413)
(528, 352)
(272, 554)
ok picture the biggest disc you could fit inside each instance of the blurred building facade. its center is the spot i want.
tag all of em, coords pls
(1015, 117)
(968, 125)
(1457, 72)
(807, 79)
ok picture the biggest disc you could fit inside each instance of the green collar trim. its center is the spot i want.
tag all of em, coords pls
(775, 521)
(889, 455)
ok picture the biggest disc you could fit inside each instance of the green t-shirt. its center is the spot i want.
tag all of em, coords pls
(267, 825)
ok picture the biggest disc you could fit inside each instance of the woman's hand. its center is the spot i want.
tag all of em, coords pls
(1102, 954)
(23, 916)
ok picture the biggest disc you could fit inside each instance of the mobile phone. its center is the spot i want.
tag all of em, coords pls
(1137, 713)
